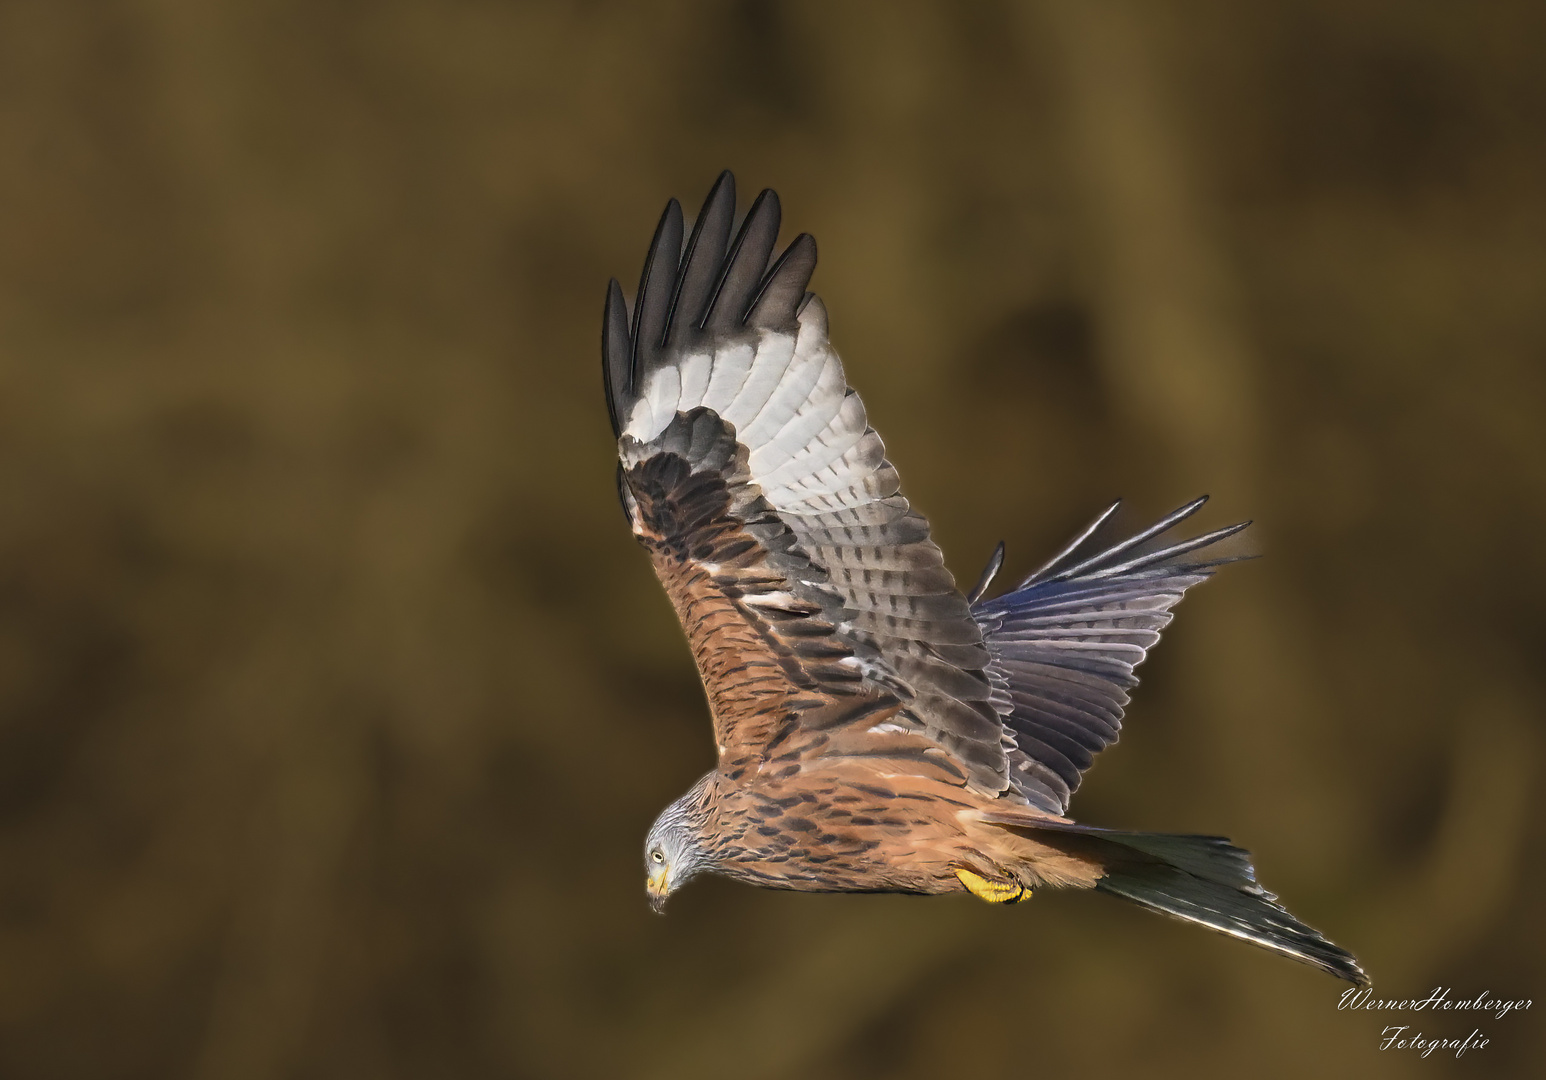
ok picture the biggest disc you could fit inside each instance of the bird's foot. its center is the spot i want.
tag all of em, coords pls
(994, 892)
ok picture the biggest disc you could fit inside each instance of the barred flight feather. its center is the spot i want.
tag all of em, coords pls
(1065, 644)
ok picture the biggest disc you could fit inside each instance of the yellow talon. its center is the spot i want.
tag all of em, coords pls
(994, 892)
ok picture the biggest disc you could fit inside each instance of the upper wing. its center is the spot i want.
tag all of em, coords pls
(748, 470)
(1066, 641)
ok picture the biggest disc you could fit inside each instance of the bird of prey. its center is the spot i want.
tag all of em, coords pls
(877, 730)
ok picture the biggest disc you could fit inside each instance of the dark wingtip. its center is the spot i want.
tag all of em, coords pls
(702, 260)
(989, 572)
(1105, 559)
(1072, 562)
(1175, 551)
(783, 291)
(657, 287)
(712, 285)
(747, 263)
(616, 355)
(1072, 547)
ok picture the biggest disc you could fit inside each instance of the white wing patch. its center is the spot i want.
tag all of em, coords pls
(731, 365)
(809, 445)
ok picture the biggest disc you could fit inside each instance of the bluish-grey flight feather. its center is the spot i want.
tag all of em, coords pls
(989, 572)
(1071, 549)
(1106, 557)
(1065, 646)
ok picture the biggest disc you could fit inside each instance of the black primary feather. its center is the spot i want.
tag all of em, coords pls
(1105, 557)
(989, 572)
(1072, 547)
(783, 292)
(703, 261)
(705, 290)
(657, 285)
(616, 356)
(745, 267)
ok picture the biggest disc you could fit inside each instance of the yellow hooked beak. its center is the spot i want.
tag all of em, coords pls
(656, 887)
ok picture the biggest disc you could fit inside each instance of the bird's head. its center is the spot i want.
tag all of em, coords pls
(674, 851)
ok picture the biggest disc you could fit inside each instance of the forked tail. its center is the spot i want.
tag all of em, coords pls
(1202, 879)
(1207, 880)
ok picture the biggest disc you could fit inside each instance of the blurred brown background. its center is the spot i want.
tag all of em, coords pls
(335, 697)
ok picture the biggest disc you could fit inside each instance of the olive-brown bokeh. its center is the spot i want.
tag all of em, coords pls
(335, 697)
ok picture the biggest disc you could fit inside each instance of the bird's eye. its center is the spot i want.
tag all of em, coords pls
(657, 856)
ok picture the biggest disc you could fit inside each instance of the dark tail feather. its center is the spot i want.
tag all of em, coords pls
(1209, 881)
(1202, 879)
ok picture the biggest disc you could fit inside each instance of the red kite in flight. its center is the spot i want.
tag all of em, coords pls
(878, 731)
